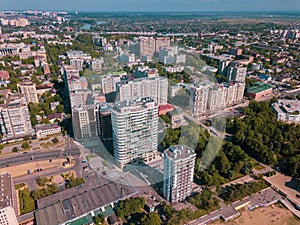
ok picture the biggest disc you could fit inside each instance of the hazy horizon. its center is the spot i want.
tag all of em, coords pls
(153, 5)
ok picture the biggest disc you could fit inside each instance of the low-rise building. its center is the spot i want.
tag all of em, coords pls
(4, 77)
(79, 205)
(53, 117)
(29, 90)
(176, 118)
(164, 109)
(44, 130)
(259, 90)
(287, 110)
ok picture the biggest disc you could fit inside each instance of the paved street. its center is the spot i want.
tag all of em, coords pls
(35, 156)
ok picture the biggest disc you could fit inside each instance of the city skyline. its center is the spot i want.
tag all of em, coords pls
(154, 5)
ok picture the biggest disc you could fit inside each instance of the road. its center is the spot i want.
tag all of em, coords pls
(211, 130)
(38, 156)
(290, 93)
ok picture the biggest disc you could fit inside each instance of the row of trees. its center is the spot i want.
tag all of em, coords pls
(205, 200)
(42, 181)
(44, 192)
(73, 182)
(239, 191)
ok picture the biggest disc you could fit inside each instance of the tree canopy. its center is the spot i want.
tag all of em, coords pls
(264, 138)
(151, 219)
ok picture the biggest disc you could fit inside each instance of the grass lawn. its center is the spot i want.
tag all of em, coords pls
(27, 203)
(18, 186)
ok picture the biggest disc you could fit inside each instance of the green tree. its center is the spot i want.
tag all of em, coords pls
(130, 206)
(100, 219)
(166, 119)
(73, 182)
(59, 108)
(151, 219)
(26, 138)
(42, 181)
(15, 149)
(25, 145)
(54, 140)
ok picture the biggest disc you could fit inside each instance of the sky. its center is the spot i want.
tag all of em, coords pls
(152, 5)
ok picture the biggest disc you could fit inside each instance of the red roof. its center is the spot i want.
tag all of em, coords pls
(164, 109)
(4, 75)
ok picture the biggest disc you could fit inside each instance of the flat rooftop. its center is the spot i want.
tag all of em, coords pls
(259, 87)
(72, 203)
(132, 105)
(180, 152)
(287, 185)
(7, 192)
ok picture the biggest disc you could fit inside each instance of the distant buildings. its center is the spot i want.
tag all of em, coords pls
(259, 90)
(155, 88)
(96, 65)
(287, 110)
(214, 47)
(236, 72)
(78, 58)
(174, 90)
(99, 41)
(20, 22)
(161, 42)
(29, 90)
(127, 57)
(135, 130)
(179, 162)
(147, 46)
(15, 119)
(174, 69)
(80, 98)
(171, 55)
(207, 97)
(235, 51)
(108, 85)
(4, 77)
(145, 71)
